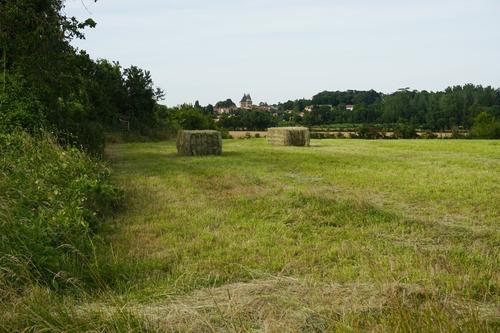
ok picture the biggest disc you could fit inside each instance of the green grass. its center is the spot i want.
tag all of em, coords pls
(347, 235)
(416, 214)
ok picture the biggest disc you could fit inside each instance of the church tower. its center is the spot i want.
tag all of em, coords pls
(246, 102)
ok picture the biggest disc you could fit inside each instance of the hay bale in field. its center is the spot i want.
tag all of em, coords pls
(288, 136)
(194, 143)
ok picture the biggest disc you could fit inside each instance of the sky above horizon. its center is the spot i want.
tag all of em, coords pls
(288, 49)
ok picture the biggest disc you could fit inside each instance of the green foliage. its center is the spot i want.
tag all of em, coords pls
(322, 135)
(456, 106)
(228, 103)
(336, 98)
(19, 108)
(141, 96)
(486, 126)
(404, 131)
(369, 132)
(319, 115)
(192, 118)
(428, 134)
(48, 84)
(252, 120)
(51, 200)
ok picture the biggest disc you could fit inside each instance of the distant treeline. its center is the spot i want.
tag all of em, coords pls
(467, 107)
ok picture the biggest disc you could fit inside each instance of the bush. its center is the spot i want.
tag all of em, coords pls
(88, 136)
(51, 201)
(368, 132)
(20, 108)
(403, 131)
(190, 118)
(225, 134)
(456, 133)
(322, 135)
(428, 134)
(486, 127)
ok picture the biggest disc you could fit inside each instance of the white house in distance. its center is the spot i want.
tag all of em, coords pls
(349, 107)
(246, 103)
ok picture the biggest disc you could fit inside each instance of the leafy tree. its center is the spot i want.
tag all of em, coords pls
(35, 47)
(486, 126)
(228, 103)
(208, 110)
(140, 95)
(404, 131)
(46, 83)
(366, 131)
(257, 120)
(191, 118)
(319, 115)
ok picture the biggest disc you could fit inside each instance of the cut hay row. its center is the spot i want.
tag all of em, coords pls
(196, 143)
(288, 136)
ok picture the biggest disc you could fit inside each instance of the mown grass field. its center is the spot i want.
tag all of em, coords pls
(346, 235)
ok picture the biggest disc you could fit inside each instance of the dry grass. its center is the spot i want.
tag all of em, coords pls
(282, 304)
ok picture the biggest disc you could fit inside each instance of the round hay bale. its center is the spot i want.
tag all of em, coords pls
(288, 136)
(196, 143)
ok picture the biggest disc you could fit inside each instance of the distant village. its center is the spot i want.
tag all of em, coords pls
(246, 103)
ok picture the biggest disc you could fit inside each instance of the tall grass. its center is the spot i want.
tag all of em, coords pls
(51, 201)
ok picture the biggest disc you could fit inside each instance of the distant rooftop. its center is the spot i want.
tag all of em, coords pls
(246, 98)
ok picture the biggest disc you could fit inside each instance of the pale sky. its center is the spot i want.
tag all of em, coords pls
(210, 50)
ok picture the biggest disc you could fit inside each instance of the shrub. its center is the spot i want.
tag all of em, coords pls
(486, 127)
(51, 201)
(456, 133)
(225, 134)
(368, 132)
(403, 131)
(20, 108)
(86, 135)
(322, 135)
(428, 134)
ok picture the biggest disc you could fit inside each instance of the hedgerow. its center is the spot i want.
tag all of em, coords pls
(52, 199)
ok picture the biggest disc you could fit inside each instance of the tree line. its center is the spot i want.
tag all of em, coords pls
(468, 107)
